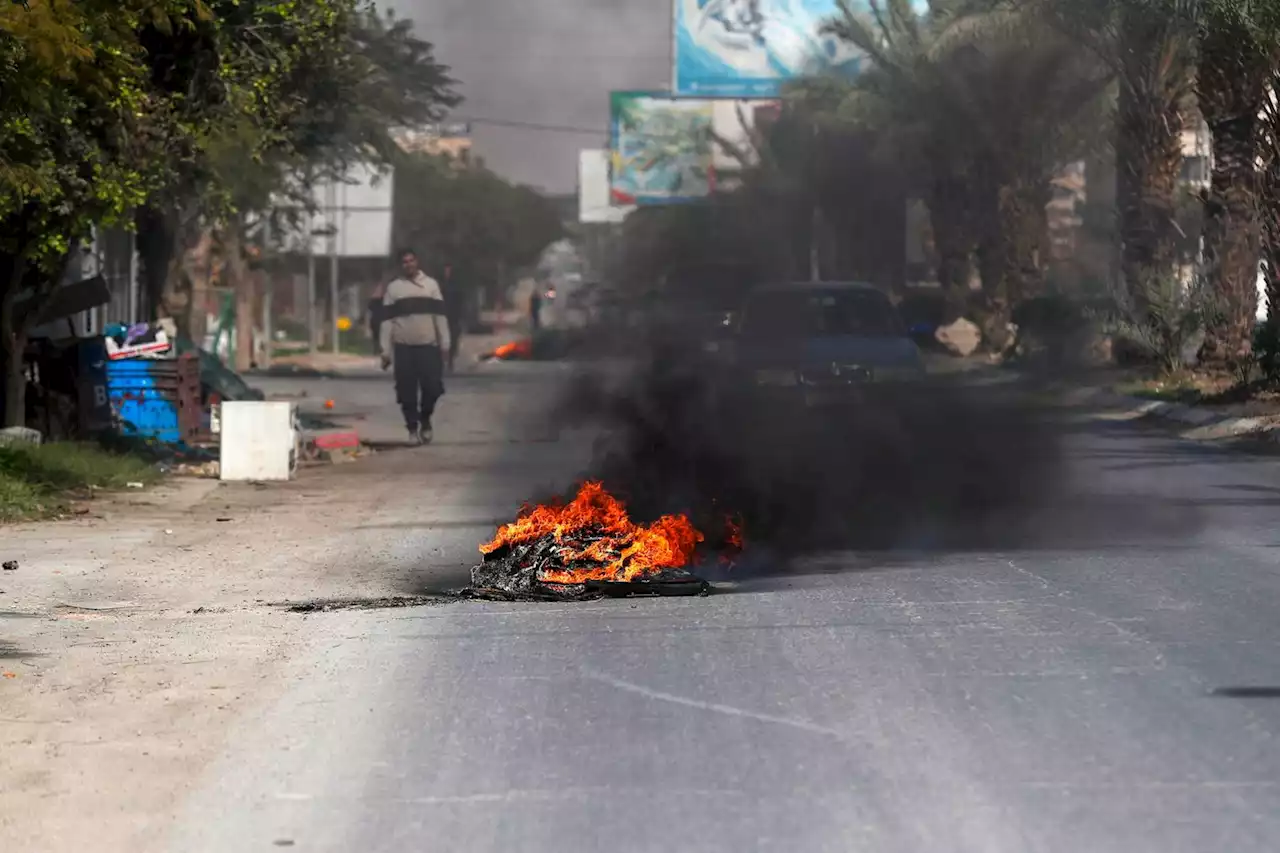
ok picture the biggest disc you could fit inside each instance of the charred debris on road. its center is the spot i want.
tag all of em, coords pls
(588, 549)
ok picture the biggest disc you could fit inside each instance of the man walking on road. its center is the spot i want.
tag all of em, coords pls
(415, 338)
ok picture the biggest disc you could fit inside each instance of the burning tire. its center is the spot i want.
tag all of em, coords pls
(587, 548)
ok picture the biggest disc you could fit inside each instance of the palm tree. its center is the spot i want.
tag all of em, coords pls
(986, 102)
(900, 99)
(1239, 53)
(1149, 45)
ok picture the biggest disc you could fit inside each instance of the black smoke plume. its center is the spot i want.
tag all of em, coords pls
(970, 462)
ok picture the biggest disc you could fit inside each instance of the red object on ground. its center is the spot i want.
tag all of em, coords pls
(336, 439)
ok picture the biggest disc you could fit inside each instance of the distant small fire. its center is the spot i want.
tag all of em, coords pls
(521, 349)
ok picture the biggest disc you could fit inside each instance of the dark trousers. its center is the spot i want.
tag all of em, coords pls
(418, 371)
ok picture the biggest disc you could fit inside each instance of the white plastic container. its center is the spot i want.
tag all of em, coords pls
(259, 440)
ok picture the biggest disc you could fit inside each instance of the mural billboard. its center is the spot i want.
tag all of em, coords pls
(750, 48)
(661, 149)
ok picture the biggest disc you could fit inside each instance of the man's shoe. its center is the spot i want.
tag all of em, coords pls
(425, 435)
(415, 436)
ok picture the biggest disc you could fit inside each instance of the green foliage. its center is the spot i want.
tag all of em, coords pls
(104, 103)
(187, 114)
(1164, 318)
(471, 219)
(78, 129)
(269, 90)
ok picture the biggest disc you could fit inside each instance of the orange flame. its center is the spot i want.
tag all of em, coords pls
(514, 349)
(620, 549)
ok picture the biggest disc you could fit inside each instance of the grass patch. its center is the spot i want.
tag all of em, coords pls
(1214, 388)
(1189, 387)
(38, 481)
(1162, 390)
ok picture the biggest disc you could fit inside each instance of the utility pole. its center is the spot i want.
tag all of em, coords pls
(267, 272)
(311, 285)
(332, 200)
(815, 252)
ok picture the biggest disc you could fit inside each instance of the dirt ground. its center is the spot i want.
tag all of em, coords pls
(132, 638)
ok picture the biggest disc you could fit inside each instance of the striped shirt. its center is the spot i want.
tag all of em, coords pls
(414, 313)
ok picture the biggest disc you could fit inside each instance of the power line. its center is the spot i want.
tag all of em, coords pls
(533, 125)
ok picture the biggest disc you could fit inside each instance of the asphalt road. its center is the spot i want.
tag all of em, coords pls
(1072, 694)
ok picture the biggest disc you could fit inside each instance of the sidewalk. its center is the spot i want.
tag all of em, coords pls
(1203, 423)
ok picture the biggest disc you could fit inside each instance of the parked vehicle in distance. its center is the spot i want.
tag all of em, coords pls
(822, 343)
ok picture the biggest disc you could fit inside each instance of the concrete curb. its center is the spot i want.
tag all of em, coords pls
(1206, 425)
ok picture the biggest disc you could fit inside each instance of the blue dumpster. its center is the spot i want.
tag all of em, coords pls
(155, 399)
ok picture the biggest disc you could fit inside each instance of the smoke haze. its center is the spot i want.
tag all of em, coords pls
(550, 62)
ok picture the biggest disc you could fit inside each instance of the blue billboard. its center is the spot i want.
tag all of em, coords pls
(751, 48)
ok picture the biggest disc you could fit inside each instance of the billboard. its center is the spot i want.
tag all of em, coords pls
(750, 48)
(662, 149)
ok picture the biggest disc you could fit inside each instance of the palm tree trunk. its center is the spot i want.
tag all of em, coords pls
(953, 244)
(1006, 251)
(1149, 125)
(1029, 216)
(1233, 86)
(1233, 242)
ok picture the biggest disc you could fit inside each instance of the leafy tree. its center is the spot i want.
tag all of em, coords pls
(286, 93)
(186, 115)
(80, 142)
(481, 225)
